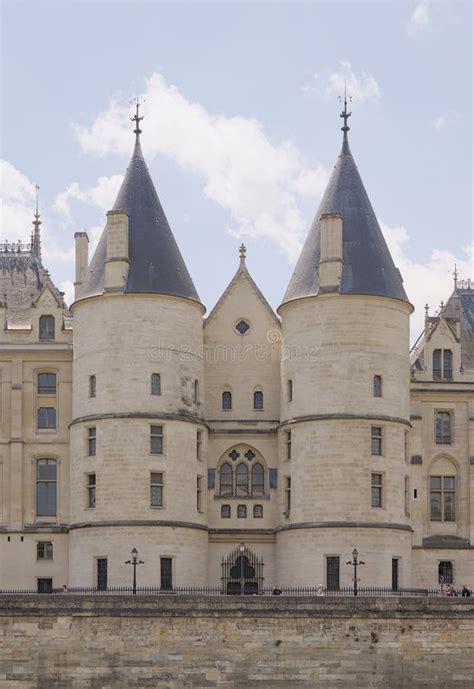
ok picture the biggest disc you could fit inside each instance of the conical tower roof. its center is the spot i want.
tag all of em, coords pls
(368, 266)
(156, 265)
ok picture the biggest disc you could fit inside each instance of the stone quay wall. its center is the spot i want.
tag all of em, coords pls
(176, 642)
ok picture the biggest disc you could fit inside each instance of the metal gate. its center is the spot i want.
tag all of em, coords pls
(242, 572)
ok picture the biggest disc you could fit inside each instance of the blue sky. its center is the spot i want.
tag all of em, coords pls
(241, 127)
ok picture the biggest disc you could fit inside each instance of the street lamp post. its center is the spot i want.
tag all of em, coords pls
(242, 580)
(355, 562)
(134, 562)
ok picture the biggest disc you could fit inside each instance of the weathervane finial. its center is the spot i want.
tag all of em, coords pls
(242, 252)
(344, 114)
(137, 118)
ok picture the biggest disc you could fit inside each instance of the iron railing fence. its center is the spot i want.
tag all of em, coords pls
(303, 592)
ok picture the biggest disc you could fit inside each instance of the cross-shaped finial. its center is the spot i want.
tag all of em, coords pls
(242, 252)
(137, 118)
(344, 114)
(427, 308)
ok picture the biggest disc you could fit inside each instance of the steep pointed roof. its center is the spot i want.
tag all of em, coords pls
(156, 265)
(368, 266)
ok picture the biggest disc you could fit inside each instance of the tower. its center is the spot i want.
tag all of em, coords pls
(137, 407)
(345, 409)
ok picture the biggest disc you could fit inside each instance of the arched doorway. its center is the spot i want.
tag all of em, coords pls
(242, 572)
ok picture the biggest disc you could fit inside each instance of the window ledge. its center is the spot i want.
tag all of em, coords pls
(254, 498)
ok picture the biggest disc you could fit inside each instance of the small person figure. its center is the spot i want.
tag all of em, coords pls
(450, 591)
(276, 590)
(465, 593)
(65, 589)
(320, 591)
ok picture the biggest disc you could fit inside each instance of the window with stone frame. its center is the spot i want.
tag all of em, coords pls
(226, 400)
(199, 481)
(92, 386)
(46, 487)
(445, 572)
(91, 441)
(442, 364)
(47, 417)
(46, 383)
(241, 511)
(199, 445)
(258, 511)
(196, 391)
(156, 440)
(287, 495)
(443, 427)
(242, 479)
(376, 440)
(258, 400)
(44, 550)
(442, 498)
(376, 490)
(377, 386)
(288, 444)
(225, 512)
(226, 480)
(156, 489)
(46, 328)
(258, 480)
(91, 490)
(155, 384)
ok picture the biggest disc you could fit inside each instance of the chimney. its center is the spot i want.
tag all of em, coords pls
(82, 260)
(116, 265)
(331, 260)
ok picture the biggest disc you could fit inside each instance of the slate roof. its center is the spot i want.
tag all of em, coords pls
(461, 305)
(156, 264)
(368, 266)
(22, 279)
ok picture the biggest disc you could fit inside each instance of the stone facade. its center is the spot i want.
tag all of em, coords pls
(172, 642)
(302, 435)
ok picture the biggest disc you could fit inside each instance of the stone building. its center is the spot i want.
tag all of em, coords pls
(244, 446)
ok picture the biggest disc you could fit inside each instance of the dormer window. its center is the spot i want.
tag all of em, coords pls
(442, 364)
(46, 328)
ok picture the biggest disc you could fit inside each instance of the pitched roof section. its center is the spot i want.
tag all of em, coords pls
(368, 266)
(156, 265)
(460, 305)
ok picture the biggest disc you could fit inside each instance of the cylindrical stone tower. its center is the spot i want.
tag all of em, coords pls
(345, 415)
(136, 475)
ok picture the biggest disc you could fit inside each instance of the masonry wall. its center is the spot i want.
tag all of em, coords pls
(178, 642)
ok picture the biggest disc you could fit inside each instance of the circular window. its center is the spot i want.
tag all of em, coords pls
(242, 327)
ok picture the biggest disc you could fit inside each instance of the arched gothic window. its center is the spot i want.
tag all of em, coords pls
(258, 399)
(258, 479)
(242, 479)
(226, 400)
(226, 480)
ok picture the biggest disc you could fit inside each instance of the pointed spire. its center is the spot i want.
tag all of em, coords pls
(455, 276)
(36, 236)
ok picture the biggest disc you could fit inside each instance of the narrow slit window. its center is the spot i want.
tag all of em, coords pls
(156, 384)
(156, 440)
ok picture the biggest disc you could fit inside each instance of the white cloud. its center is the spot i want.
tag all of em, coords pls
(67, 286)
(361, 89)
(446, 120)
(439, 123)
(419, 18)
(430, 281)
(102, 195)
(17, 203)
(259, 182)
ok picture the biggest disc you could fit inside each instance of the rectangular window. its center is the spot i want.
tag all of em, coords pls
(288, 444)
(376, 490)
(447, 364)
(225, 511)
(437, 364)
(46, 488)
(376, 440)
(156, 489)
(332, 573)
(166, 573)
(394, 574)
(155, 384)
(258, 511)
(45, 585)
(91, 441)
(445, 572)
(377, 386)
(287, 494)
(442, 498)
(46, 417)
(90, 487)
(44, 550)
(406, 446)
(196, 391)
(198, 444)
(92, 386)
(407, 496)
(46, 328)
(443, 423)
(199, 493)
(46, 383)
(156, 440)
(102, 567)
